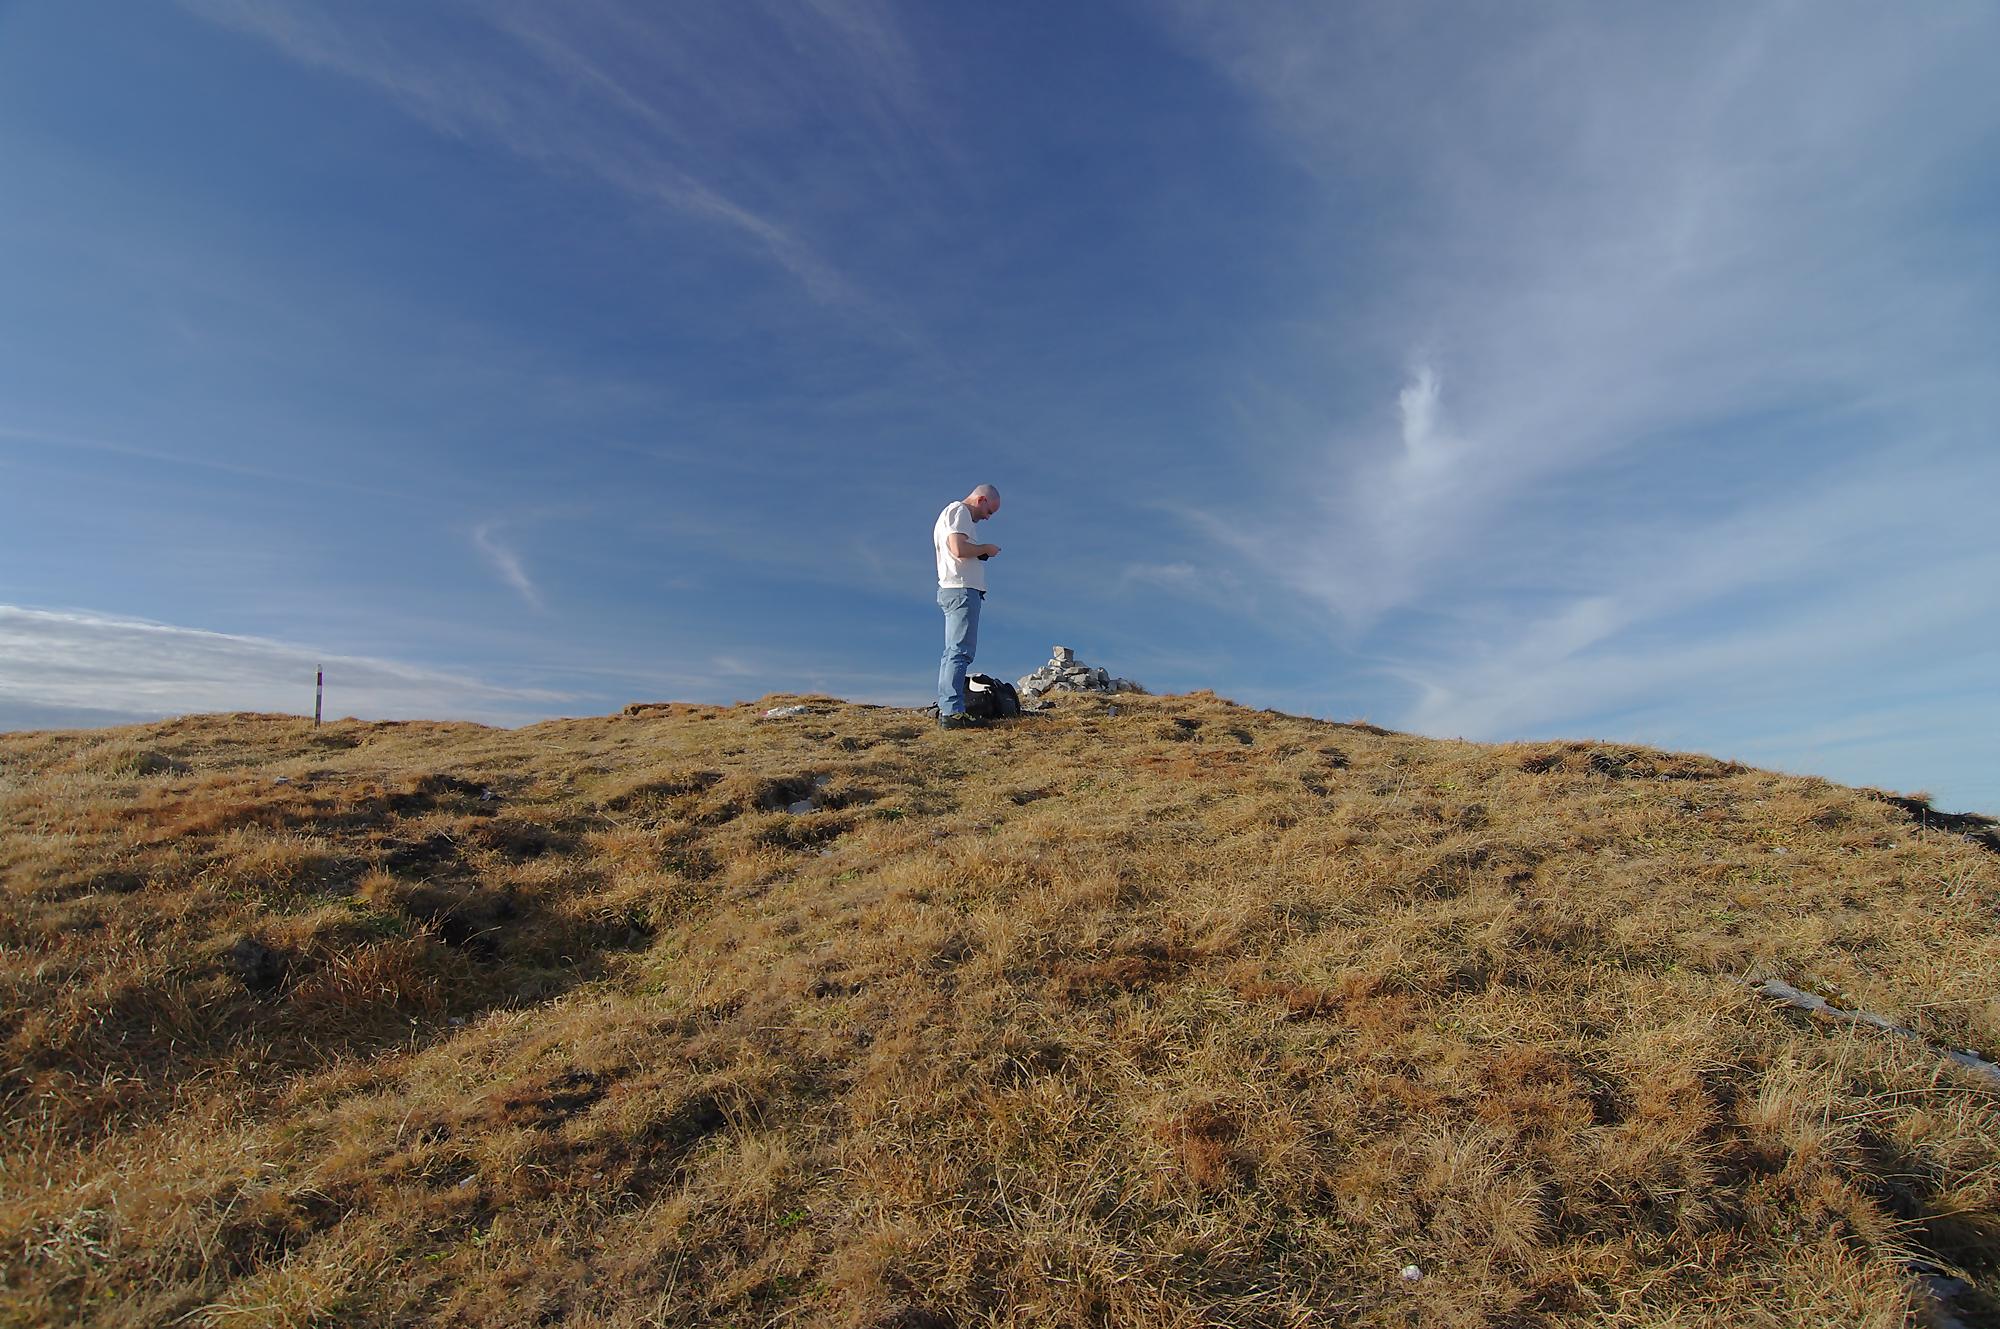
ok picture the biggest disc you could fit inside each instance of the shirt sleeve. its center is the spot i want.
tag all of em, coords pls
(961, 522)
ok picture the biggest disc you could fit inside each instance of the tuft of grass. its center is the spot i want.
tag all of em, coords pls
(1167, 1012)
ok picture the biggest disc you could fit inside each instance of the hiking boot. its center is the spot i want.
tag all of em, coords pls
(957, 722)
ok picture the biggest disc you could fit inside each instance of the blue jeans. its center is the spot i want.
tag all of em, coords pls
(961, 638)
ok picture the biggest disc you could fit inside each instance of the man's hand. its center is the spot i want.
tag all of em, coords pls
(962, 547)
(989, 551)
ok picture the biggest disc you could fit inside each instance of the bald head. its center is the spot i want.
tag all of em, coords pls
(984, 501)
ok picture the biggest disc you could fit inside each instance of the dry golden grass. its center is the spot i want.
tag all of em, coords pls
(1177, 1015)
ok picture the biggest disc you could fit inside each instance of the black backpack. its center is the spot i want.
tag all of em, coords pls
(988, 698)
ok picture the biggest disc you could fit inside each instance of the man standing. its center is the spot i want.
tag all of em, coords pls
(961, 570)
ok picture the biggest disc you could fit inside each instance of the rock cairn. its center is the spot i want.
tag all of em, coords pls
(1065, 673)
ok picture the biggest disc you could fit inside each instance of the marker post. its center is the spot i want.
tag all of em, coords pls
(319, 692)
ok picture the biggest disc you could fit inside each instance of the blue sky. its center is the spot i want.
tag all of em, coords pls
(1497, 371)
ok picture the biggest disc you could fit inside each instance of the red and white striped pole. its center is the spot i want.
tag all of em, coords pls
(319, 692)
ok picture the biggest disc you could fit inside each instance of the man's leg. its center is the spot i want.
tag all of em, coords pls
(961, 639)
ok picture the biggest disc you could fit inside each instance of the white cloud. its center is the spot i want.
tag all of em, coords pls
(1425, 451)
(1179, 576)
(1609, 228)
(63, 441)
(652, 133)
(1836, 570)
(1600, 238)
(1197, 581)
(463, 98)
(505, 562)
(81, 660)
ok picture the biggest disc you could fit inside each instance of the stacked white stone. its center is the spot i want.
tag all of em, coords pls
(1064, 673)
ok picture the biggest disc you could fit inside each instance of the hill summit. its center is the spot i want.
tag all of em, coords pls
(1141, 1011)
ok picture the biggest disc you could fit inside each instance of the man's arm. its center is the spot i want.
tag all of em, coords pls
(963, 547)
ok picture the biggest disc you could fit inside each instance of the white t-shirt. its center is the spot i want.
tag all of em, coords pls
(966, 572)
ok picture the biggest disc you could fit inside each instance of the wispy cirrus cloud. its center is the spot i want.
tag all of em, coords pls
(63, 441)
(1182, 580)
(1603, 229)
(647, 101)
(507, 563)
(1660, 286)
(54, 661)
(1648, 634)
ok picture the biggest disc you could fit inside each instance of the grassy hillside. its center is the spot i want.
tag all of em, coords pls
(1173, 1013)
